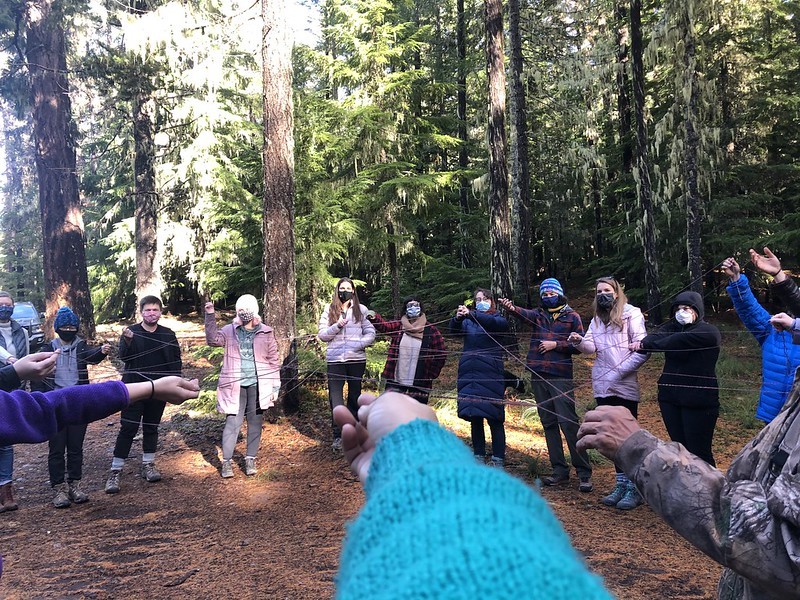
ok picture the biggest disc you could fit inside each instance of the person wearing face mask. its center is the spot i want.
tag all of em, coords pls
(779, 356)
(150, 351)
(344, 326)
(14, 344)
(71, 369)
(416, 351)
(481, 375)
(550, 363)
(249, 381)
(615, 326)
(688, 392)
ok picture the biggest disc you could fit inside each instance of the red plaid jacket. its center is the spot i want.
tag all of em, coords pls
(558, 362)
(432, 356)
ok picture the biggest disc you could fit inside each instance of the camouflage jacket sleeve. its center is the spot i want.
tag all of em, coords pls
(744, 525)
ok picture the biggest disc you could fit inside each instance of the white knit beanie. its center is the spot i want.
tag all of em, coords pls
(247, 302)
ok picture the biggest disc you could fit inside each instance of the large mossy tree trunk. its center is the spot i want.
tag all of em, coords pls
(66, 282)
(278, 217)
(644, 188)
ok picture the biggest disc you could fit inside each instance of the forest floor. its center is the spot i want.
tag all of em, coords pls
(279, 534)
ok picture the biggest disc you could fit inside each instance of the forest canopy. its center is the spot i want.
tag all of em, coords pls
(658, 134)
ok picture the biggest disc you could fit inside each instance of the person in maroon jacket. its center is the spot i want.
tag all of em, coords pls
(416, 351)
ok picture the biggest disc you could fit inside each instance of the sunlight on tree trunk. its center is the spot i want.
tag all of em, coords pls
(279, 255)
(499, 214)
(64, 253)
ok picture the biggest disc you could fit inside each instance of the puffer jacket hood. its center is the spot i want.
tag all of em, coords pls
(692, 299)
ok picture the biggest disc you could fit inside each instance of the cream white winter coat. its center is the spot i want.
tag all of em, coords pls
(614, 369)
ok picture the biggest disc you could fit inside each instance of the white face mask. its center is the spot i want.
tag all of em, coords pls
(685, 316)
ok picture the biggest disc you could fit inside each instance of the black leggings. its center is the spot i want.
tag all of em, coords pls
(338, 373)
(631, 405)
(692, 427)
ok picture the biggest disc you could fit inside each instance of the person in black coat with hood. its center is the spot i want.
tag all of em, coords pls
(688, 391)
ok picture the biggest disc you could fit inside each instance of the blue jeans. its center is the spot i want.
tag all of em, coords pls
(6, 463)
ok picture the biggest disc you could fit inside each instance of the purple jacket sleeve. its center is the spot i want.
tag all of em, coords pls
(30, 418)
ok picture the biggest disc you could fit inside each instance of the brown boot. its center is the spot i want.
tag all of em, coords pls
(7, 497)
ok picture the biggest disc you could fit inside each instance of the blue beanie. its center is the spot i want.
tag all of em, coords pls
(551, 285)
(65, 317)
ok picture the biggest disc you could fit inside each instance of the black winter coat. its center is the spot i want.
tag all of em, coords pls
(690, 358)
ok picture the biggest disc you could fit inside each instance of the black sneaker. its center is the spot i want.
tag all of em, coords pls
(555, 479)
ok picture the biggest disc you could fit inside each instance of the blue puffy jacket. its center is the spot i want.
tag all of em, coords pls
(480, 370)
(779, 357)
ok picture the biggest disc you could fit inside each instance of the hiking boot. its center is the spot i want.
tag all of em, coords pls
(62, 496)
(616, 494)
(585, 485)
(555, 479)
(76, 494)
(150, 473)
(227, 469)
(631, 499)
(497, 462)
(337, 444)
(250, 466)
(112, 483)
(7, 498)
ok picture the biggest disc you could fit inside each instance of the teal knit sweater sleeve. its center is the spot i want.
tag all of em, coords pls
(438, 525)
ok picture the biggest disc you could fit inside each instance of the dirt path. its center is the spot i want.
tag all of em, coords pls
(277, 535)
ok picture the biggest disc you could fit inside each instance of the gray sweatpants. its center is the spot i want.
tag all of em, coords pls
(248, 407)
(555, 401)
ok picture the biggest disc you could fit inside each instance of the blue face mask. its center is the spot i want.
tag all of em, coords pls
(413, 311)
(551, 301)
(483, 306)
(6, 312)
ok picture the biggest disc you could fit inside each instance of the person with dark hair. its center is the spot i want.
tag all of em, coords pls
(779, 356)
(250, 378)
(14, 344)
(615, 326)
(347, 331)
(688, 391)
(74, 355)
(150, 351)
(30, 418)
(481, 374)
(550, 363)
(416, 350)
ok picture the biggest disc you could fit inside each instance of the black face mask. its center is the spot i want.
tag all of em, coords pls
(605, 301)
(67, 336)
(344, 296)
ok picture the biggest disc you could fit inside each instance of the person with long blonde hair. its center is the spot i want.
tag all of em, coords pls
(615, 326)
(348, 332)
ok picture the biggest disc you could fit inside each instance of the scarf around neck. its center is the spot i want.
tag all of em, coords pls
(415, 329)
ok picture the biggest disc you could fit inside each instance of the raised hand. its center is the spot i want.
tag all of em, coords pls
(209, 308)
(506, 303)
(731, 268)
(768, 263)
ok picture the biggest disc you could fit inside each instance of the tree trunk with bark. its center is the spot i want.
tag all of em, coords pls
(463, 151)
(146, 207)
(690, 158)
(279, 253)
(645, 188)
(499, 214)
(520, 177)
(66, 281)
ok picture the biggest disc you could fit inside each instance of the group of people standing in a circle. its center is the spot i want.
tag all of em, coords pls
(687, 389)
